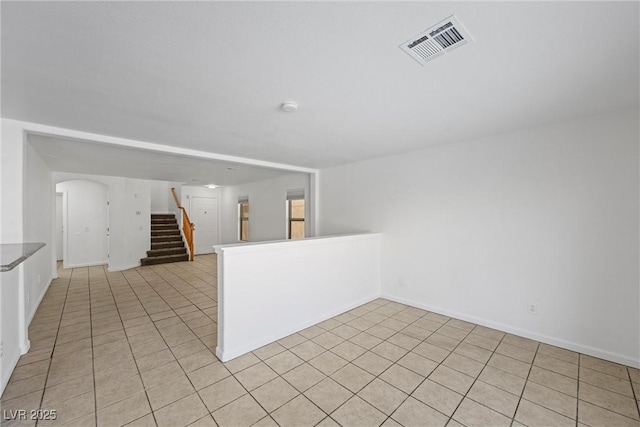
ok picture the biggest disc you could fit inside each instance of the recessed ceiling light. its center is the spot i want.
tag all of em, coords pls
(212, 186)
(289, 106)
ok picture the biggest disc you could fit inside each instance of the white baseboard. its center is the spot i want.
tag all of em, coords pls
(111, 269)
(87, 264)
(558, 342)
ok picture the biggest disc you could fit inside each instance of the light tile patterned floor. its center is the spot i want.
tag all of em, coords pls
(137, 347)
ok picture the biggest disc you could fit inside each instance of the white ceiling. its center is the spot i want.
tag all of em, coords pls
(87, 157)
(210, 76)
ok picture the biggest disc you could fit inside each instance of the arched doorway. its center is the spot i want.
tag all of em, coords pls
(85, 213)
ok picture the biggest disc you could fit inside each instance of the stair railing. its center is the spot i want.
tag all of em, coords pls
(187, 225)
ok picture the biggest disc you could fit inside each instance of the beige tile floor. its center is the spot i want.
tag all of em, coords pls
(137, 348)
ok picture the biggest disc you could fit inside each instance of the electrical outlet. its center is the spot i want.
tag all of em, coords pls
(28, 296)
(1, 348)
(533, 309)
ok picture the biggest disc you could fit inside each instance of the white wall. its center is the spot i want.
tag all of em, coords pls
(267, 291)
(136, 214)
(161, 197)
(129, 232)
(26, 205)
(12, 175)
(477, 230)
(39, 217)
(11, 286)
(267, 208)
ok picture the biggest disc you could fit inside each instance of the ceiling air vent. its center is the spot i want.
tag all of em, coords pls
(437, 40)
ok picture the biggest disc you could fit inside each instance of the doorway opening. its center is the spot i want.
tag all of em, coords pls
(85, 223)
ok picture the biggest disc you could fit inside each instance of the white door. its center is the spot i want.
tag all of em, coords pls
(204, 214)
(59, 228)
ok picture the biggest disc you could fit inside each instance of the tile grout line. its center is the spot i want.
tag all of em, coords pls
(532, 364)
(407, 351)
(386, 340)
(44, 389)
(93, 354)
(300, 393)
(185, 276)
(476, 378)
(393, 363)
(449, 418)
(163, 298)
(209, 413)
(438, 363)
(163, 267)
(633, 390)
(524, 387)
(605, 390)
(176, 290)
(132, 354)
(528, 375)
(163, 339)
(578, 391)
(350, 362)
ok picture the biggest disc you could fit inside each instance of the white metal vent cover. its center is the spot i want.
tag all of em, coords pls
(446, 35)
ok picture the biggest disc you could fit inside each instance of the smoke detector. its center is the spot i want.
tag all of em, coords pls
(289, 106)
(441, 38)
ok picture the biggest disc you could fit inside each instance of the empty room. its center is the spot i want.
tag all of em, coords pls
(351, 214)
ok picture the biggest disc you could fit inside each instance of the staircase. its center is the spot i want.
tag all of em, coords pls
(166, 241)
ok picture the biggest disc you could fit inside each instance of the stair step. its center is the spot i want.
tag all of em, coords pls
(166, 241)
(159, 227)
(164, 221)
(167, 245)
(174, 232)
(164, 259)
(162, 216)
(166, 251)
(158, 239)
